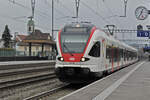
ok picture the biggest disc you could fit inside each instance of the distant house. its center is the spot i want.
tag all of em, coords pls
(18, 47)
(20, 38)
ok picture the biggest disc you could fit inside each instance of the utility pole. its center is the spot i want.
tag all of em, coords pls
(77, 7)
(31, 24)
(33, 7)
(125, 8)
(52, 19)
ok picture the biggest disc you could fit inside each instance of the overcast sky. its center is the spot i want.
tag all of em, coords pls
(99, 12)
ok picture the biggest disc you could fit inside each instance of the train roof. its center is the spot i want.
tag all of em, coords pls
(119, 43)
(79, 25)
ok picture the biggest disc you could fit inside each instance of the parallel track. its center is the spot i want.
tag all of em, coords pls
(19, 66)
(19, 82)
(24, 72)
(46, 93)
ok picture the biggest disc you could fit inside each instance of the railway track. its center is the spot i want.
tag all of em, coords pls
(56, 93)
(19, 66)
(20, 79)
(10, 73)
(46, 93)
(18, 82)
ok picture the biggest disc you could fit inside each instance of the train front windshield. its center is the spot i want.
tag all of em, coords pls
(74, 40)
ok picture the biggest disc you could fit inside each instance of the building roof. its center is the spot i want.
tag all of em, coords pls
(20, 38)
(39, 37)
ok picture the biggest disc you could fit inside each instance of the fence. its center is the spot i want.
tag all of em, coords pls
(49, 55)
(7, 52)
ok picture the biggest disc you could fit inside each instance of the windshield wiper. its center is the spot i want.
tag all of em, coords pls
(67, 49)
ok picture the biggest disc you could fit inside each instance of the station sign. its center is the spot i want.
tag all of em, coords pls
(142, 33)
(148, 48)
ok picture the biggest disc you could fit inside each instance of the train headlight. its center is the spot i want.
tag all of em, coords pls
(82, 59)
(61, 59)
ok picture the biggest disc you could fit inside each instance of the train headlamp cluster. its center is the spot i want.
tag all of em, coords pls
(61, 59)
(83, 59)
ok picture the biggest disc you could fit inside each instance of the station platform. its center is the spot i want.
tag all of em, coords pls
(130, 83)
(25, 62)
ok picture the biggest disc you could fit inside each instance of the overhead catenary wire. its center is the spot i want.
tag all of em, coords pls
(40, 13)
(112, 13)
(58, 11)
(21, 21)
(21, 5)
(63, 5)
(99, 15)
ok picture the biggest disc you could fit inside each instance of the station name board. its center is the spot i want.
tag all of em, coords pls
(143, 33)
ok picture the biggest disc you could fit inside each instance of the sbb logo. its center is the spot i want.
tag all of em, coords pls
(72, 59)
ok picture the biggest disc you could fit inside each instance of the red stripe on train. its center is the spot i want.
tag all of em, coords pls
(59, 40)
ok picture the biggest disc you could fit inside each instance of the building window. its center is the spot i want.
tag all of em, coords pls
(37, 48)
(25, 48)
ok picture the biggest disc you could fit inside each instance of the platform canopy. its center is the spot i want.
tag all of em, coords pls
(39, 38)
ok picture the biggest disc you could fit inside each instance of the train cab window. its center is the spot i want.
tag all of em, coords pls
(95, 51)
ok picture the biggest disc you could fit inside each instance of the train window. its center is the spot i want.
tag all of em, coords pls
(115, 54)
(76, 29)
(95, 51)
(119, 54)
(122, 53)
(109, 51)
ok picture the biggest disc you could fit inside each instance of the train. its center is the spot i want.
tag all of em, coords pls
(86, 52)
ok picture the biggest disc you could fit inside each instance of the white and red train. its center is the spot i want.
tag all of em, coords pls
(86, 52)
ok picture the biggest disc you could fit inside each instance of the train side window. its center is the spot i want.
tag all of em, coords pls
(95, 51)
(122, 53)
(109, 53)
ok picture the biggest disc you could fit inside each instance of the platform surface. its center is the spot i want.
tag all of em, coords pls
(130, 83)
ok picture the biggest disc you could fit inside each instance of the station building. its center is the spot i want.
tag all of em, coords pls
(34, 44)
